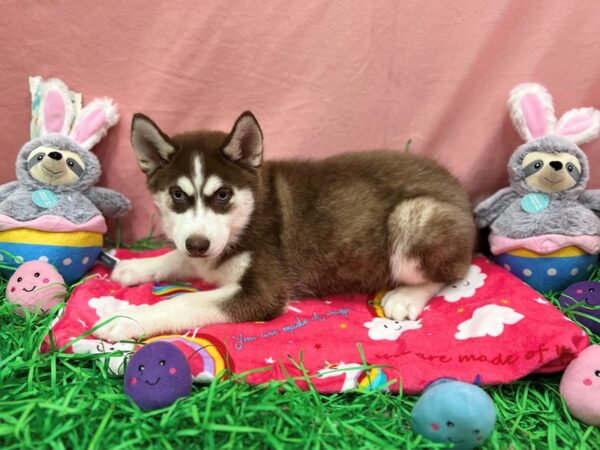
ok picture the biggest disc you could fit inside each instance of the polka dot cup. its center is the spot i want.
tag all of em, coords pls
(549, 272)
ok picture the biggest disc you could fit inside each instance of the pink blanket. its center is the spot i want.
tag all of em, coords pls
(490, 327)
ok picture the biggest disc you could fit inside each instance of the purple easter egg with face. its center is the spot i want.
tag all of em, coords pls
(589, 293)
(36, 286)
(157, 375)
(580, 386)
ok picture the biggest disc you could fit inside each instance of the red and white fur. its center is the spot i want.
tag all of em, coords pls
(265, 232)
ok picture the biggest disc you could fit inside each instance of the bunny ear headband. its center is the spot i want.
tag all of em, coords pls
(532, 114)
(55, 109)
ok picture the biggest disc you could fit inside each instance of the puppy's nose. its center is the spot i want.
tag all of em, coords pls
(556, 165)
(197, 245)
(55, 155)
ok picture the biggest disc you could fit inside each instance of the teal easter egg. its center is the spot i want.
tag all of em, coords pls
(459, 414)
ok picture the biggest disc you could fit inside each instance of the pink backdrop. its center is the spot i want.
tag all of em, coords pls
(322, 77)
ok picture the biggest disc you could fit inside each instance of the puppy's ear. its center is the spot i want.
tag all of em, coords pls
(152, 147)
(245, 142)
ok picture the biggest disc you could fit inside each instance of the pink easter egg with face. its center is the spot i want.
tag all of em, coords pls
(580, 386)
(36, 286)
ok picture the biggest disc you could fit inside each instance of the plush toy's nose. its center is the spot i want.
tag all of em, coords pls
(556, 165)
(55, 155)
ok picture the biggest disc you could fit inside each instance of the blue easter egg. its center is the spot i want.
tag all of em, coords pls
(455, 413)
(550, 272)
(72, 253)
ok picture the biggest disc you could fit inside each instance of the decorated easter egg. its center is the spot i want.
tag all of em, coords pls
(157, 375)
(549, 272)
(580, 386)
(71, 248)
(459, 414)
(587, 293)
(36, 286)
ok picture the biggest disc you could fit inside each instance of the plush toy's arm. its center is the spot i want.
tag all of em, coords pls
(591, 199)
(489, 210)
(6, 189)
(109, 202)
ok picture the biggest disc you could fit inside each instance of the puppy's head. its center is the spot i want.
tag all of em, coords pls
(204, 183)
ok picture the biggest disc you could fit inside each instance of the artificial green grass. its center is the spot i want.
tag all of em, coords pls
(65, 401)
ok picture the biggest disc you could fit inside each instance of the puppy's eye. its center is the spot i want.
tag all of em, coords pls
(450, 424)
(592, 290)
(597, 373)
(178, 195)
(19, 279)
(223, 195)
(475, 431)
(141, 367)
(37, 274)
(570, 167)
(537, 165)
(40, 156)
(162, 362)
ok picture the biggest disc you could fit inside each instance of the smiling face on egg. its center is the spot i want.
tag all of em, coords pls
(36, 285)
(157, 375)
(459, 414)
(580, 386)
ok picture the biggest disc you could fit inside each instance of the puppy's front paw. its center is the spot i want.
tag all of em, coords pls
(129, 323)
(405, 302)
(131, 272)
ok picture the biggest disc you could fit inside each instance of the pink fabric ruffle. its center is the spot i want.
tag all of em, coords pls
(54, 223)
(547, 243)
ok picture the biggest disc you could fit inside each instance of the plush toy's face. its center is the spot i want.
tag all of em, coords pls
(157, 375)
(55, 166)
(551, 172)
(455, 413)
(36, 285)
(584, 291)
(580, 386)
(587, 292)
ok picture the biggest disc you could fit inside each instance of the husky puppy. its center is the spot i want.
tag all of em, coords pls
(268, 231)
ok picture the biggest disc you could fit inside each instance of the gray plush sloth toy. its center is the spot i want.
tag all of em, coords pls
(548, 173)
(53, 212)
(56, 172)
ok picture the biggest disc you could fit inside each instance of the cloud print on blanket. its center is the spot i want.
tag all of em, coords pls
(488, 328)
(118, 352)
(466, 287)
(381, 328)
(107, 305)
(488, 320)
